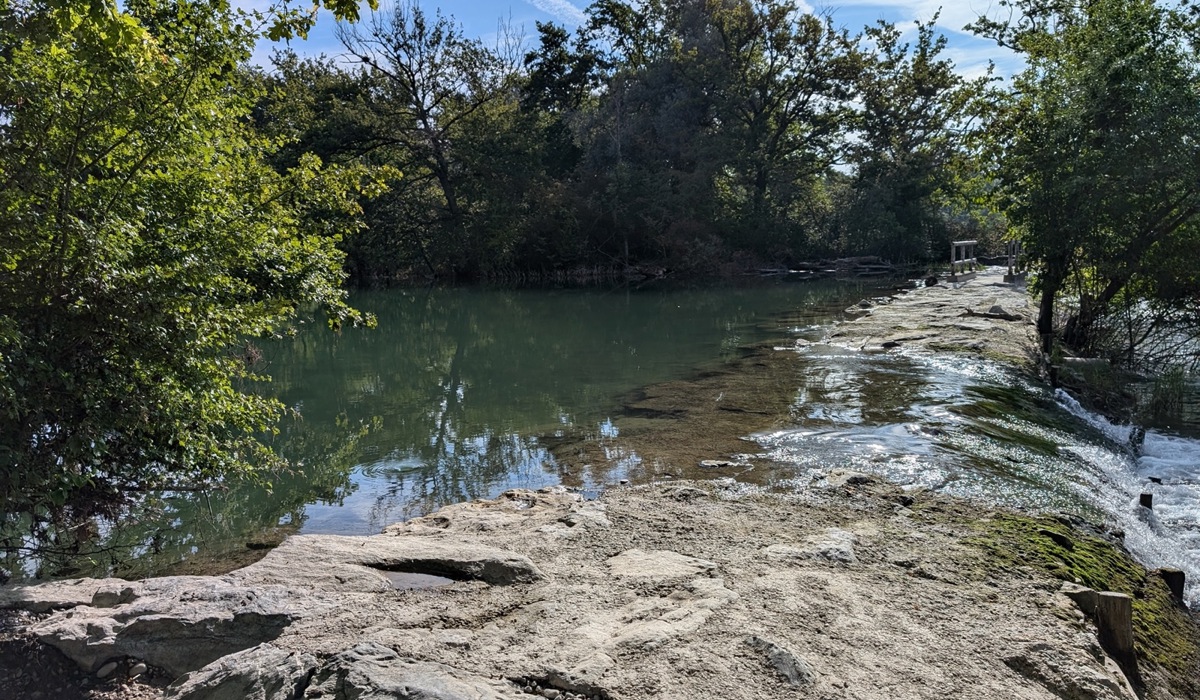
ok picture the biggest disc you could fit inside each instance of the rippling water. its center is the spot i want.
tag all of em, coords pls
(971, 428)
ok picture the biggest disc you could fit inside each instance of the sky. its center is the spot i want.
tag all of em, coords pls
(480, 19)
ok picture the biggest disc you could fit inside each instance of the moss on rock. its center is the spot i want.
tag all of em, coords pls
(1166, 635)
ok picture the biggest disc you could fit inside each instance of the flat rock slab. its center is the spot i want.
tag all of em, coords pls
(182, 623)
(334, 563)
(635, 562)
(984, 314)
(743, 594)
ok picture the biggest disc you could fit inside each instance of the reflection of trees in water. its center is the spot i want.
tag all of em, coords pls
(442, 403)
(460, 471)
(215, 530)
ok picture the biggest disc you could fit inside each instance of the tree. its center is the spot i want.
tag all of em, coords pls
(711, 114)
(144, 243)
(909, 150)
(1097, 152)
(431, 89)
(784, 79)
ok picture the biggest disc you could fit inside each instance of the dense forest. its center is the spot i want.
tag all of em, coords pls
(163, 204)
(674, 136)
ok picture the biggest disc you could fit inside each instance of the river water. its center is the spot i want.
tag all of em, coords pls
(463, 393)
(971, 428)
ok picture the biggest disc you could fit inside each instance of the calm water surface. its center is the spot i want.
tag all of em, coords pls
(450, 398)
(452, 394)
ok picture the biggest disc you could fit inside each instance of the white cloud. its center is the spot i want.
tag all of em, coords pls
(560, 9)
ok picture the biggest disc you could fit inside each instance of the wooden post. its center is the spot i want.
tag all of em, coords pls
(1175, 580)
(1114, 619)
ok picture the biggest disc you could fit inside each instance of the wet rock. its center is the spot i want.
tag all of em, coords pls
(846, 477)
(1057, 538)
(106, 670)
(794, 669)
(375, 671)
(262, 673)
(137, 670)
(684, 493)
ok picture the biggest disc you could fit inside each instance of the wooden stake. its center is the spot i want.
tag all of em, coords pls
(1175, 580)
(1114, 618)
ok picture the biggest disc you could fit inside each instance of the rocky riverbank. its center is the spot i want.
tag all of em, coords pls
(846, 587)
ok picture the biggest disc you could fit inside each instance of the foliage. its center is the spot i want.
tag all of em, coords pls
(668, 134)
(1096, 155)
(910, 153)
(144, 242)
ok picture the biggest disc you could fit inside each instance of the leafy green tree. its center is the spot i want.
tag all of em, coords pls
(435, 93)
(784, 80)
(1097, 151)
(144, 243)
(909, 149)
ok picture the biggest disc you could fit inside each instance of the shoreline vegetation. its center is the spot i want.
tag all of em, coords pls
(847, 587)
(166, 204)
(162, 202)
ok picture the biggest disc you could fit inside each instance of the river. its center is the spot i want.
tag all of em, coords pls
(463, 393)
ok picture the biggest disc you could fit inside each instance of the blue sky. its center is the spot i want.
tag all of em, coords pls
(480, 19)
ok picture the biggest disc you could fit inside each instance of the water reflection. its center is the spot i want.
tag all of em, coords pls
(472, 388)
(458, 394)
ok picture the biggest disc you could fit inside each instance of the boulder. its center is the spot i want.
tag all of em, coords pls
(261, 673)
(375, 671)
(178, 623)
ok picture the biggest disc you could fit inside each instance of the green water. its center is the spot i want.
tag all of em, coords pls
(452, 397)
(457, 389)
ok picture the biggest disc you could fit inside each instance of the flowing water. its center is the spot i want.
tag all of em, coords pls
(968, 427)
(463, 393)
